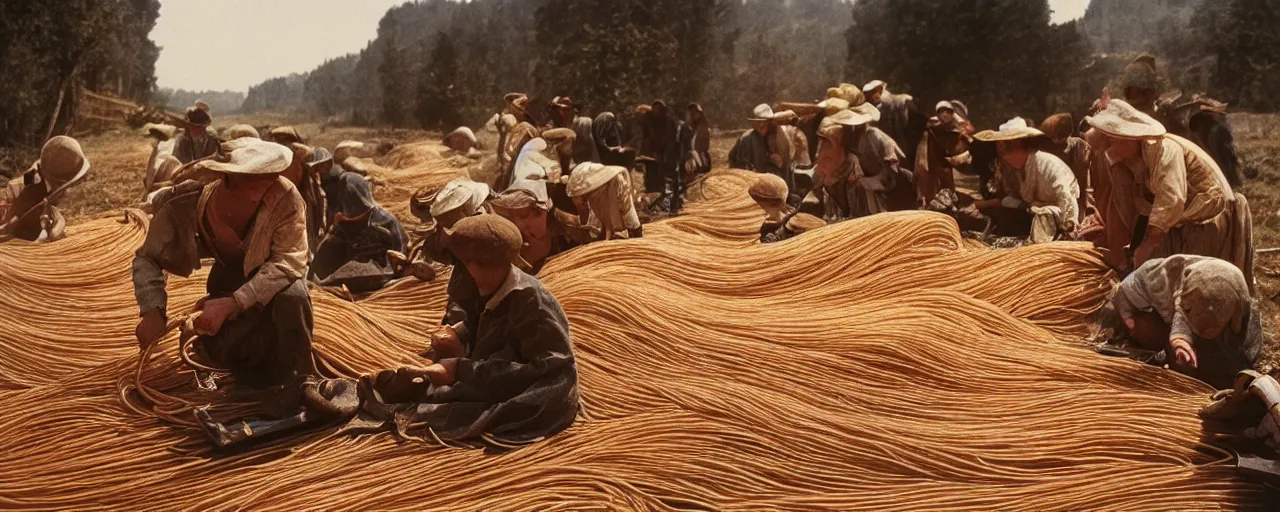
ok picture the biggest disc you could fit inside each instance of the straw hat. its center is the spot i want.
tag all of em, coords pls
(1058, 126)
(239, 131)
(872, 86)
(524, 194)
(587, 177)
(1014, 129)
(198, 117)
(286, 135)
(200, 104)
(1120, 120)
(803, 222)
(856, 116)
(486, 239)
(249, 157)
(460, 139)
(516, 99)
(762, 112)
(830, 106)
(62, 161)
(785, 116)
(460, 193)
(768, 187)
(642, 110)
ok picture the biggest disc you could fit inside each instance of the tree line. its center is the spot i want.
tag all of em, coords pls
(50, 50)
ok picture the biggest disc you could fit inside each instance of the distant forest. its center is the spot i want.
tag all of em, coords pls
(221, 102)
(436, 62)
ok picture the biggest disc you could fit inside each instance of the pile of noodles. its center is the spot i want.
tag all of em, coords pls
(879, 364)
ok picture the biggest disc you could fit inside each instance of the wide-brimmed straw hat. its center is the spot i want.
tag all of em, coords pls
(460, 193)
(486, 239)
(198, 117)
(768, 187)
(1014, 129)
(61, 161)
(587, 177)
(872, 86)
(524, 194)
(854, 116)
(1121, 120)
(240, 131)
(461, 134)
(286, 135)
(249, 157)
(762, 112)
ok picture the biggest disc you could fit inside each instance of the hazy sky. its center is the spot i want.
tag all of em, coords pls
(234, 44)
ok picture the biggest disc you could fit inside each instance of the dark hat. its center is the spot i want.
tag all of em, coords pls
(1141, 73)
(198, 117)
(486, 239)
(563, 102)
(694, 107)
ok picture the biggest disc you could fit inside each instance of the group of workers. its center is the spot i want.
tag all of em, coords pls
(273, 214)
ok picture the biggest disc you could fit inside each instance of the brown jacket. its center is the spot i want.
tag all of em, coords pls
(276, 247)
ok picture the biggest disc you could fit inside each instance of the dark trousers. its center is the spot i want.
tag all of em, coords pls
(263, 346)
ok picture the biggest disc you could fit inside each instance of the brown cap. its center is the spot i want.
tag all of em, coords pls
(198, 117)
(1058, 126)
(768, 188)
(286, 135)
(803, 222)
(487, 239)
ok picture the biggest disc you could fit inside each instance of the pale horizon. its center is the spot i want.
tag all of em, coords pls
(241, 43)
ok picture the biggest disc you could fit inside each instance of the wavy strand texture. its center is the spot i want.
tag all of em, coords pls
(880, 364)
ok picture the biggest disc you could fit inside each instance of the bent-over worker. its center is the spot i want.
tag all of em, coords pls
(527, 205)
(1197, 310)
(604, 200)
(32, 212)
(1048, 191)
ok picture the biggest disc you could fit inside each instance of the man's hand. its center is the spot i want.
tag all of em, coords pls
(443, 373)
(1184, 355)
(214, 313)
(776, 159)
(445, 343)
(150, 329)
(1143, 253)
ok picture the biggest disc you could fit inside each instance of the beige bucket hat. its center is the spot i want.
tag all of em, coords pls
(831, 106)
(1121, 120)
(460, 193)
(62, 161)
(1013, 129)
(167, 169)
(587, 177)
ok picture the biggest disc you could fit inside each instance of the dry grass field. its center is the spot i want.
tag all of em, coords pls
(119, 158)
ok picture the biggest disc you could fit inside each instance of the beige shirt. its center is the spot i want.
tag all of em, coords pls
(1047, 182)
(1173, 183)
(276, 246)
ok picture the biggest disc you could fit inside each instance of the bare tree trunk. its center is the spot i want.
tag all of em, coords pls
(57, 109)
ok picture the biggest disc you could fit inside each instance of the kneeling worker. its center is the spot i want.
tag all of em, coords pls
(504, 365)
(256, 320)
(1196, 308)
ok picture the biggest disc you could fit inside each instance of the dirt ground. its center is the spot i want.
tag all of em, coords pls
(119, 159)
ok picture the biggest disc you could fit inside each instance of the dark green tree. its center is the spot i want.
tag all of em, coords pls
(392, 74)
(437, 87)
